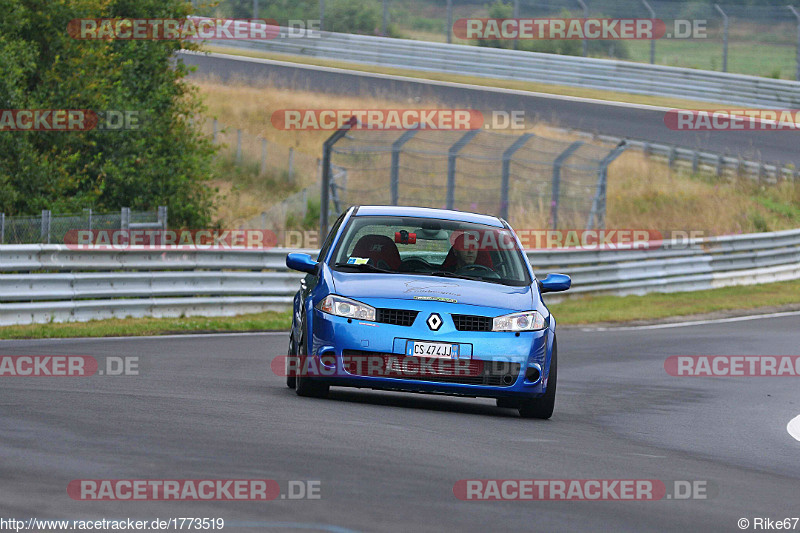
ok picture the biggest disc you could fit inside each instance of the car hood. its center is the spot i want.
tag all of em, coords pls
(410, 287)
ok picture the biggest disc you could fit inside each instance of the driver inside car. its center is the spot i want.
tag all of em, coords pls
(465, 253)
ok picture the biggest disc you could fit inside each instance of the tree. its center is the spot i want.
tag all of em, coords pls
(163, 162)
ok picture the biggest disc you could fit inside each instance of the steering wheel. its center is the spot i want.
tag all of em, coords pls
(466, 269)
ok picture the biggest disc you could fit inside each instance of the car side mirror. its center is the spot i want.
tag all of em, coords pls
(555, 283)
(302, 263)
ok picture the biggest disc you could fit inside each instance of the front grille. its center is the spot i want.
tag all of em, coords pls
(398, 317)
(461, 371)
(472, 323)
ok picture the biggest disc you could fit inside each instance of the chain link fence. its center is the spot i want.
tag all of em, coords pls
(530, 180)
(760, 40)
(52, 229)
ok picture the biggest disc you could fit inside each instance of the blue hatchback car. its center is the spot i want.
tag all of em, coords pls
(424, 300)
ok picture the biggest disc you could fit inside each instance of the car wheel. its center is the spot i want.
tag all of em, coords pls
(290, 363)
(542, 408)
(305, 386)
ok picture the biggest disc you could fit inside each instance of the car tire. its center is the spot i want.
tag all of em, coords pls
(542, 408)
(508, 403)
(306, 386)
(291, 381)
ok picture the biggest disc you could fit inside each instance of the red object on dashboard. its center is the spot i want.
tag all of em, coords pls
(404, 237)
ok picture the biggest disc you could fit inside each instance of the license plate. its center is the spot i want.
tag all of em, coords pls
(433, 349)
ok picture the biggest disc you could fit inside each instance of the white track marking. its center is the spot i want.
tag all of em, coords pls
(793, 427)
(693, 322)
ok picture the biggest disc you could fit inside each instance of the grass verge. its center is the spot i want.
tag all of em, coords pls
(572, 311)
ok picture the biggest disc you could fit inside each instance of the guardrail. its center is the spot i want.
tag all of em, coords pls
(51, 283)
(605, 74)
(699, 160)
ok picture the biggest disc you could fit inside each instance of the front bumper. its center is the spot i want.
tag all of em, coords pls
(521, 360)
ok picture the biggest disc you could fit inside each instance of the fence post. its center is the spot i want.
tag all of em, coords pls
(652, 41)
(263, 156)
(724, 38)
(556, 192)
(395, 166)
(239, 146)
(385, 17)
(585, 16)
(327, 147)
(797, 16)
(321, 15)
(598, 212)
(162, 216)
(452, 154)
(507, 171)
(449, 21)
(255, 9)
(291, 165)
(2, 228)
(45, 233)
(516, 16)
(125, 218)
(216, 129)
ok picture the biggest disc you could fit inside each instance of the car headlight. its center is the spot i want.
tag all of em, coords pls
(525, 321)
(341, 306)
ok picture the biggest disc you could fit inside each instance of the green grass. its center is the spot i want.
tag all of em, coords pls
(572, 311)
(755, 59)
(594, 309)
(150, 326)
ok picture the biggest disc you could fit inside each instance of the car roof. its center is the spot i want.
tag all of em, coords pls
(427, 212)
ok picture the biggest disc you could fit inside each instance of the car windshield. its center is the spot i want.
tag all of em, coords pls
(430, 247)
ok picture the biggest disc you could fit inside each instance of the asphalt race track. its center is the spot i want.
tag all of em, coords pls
(209, 407)
(620, 120)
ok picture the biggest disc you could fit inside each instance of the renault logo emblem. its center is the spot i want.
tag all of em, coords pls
(434, 321)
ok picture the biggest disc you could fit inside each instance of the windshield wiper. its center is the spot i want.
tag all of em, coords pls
(365, 267)
(446, 274)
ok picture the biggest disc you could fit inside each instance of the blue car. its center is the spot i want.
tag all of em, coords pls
(424, 300)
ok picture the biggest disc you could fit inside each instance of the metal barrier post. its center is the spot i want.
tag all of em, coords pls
(291, 165)
(597, 216)
(385, 17)
(516, 16)
(452, 154)
(327, 147)
(45, 233)
(263, 156)
(2, 228)
(125, 218)
(585, 16)
(395, 167)
(797, 15)
(449, 21)
(724, 38)
(238, 146)
(255, 9)
(162, 216)
(559, 161)
(321, 15)
(507, 171)
(652, 41)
